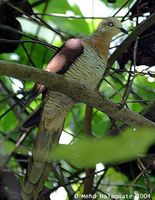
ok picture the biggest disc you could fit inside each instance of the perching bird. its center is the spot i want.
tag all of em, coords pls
(82, 60)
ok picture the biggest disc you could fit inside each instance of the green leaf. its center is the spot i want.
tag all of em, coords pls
(100, 123)
(9, 121)
(88, 152)
(7, 147)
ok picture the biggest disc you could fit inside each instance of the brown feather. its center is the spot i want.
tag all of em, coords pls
(68, 53)
(91, 56)
(60, 63)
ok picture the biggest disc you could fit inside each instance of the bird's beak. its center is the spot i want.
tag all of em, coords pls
(123, 30)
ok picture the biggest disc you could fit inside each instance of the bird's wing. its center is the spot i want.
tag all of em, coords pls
(51, 122)
(67, 54)
(59, 63)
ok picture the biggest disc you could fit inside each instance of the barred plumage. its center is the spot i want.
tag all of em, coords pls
(81, 60)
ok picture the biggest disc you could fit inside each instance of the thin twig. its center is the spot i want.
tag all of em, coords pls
(89, 179)
(40, 22)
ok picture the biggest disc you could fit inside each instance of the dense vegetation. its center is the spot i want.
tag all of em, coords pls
(31, 38)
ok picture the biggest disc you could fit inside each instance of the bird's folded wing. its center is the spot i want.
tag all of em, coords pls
(67, 54)
(60, 63)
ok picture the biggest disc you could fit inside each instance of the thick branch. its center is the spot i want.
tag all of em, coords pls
(78, 92)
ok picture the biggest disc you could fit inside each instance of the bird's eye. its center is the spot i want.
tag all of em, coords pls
(110, 24)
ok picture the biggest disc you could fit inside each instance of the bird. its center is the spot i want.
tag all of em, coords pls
(84, 61)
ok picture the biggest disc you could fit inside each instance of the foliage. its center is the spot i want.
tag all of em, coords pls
(127, 146)
(133, 87)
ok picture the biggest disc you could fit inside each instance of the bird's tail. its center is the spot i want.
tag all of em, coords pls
(39, 165)
(38, 169)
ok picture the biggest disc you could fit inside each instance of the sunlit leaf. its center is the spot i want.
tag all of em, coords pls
(88, 152)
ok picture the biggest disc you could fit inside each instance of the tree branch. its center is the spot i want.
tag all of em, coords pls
(132, 37)
(78, 92)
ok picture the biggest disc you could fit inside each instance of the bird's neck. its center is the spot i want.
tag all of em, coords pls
(101, 43)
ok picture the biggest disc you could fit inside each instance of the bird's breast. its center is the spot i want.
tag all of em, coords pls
(88, 68)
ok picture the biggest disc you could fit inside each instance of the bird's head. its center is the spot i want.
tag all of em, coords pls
(111, 26)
